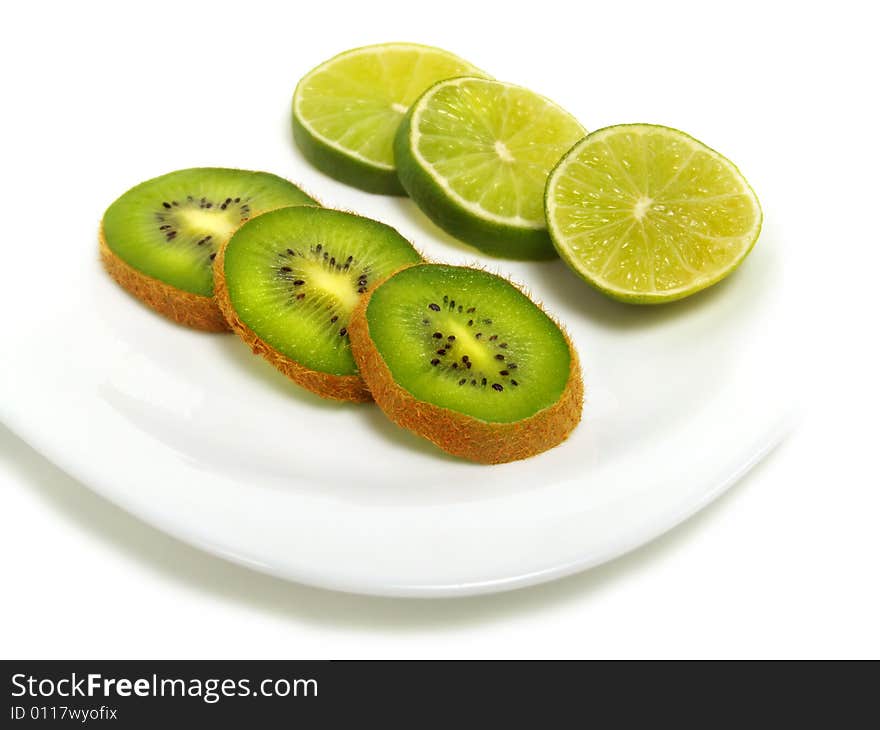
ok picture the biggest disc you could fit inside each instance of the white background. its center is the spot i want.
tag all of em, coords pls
(786, 564)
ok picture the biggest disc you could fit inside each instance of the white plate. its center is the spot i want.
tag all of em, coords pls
(196, 436)
(193, 434)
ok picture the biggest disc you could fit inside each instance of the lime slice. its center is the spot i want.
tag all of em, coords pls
(346, 111)
(648, 214)
(474, 154)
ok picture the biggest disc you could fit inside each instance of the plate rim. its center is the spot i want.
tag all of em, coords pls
(771, 438)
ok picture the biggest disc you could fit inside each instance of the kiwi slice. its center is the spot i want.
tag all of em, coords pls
(159, 239)
(465, 359)
(288, 281)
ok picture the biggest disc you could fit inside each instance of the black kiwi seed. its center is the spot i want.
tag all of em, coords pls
(462, 362)
(319, 253)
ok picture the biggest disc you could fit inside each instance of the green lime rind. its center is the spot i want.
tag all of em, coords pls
(493, 238)
(365, 91)
(344, 167)
(491, 234)
(600, 283)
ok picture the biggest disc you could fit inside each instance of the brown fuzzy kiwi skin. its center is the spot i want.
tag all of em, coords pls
(459, 434)
(191, 310)
(336, 387)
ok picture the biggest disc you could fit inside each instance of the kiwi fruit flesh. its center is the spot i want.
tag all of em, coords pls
(465, 359)
(159, 239)
(288, 280)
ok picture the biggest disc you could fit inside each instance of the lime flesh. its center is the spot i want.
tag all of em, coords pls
(648, 214)
(475, 154)
(347, 110)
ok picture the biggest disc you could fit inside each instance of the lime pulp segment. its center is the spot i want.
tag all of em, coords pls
(170, 227)
(469, 341)
(294, 275)
(648, 214)
(475, 155)
(347, 110)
